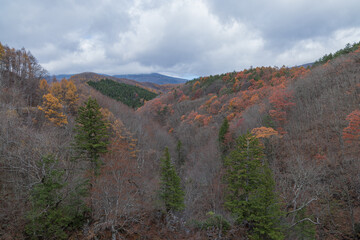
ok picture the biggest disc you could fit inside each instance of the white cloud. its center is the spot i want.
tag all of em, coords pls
(309, 50)
(182, 37)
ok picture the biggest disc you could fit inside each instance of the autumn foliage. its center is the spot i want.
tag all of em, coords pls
(352, 132)
(264, 132)
(52, 109)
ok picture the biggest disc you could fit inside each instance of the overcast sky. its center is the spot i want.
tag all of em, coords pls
(177, 37)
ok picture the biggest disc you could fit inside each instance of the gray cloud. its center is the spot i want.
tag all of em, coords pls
(179, 37)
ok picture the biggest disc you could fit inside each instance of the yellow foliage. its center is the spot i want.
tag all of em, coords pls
(264, 132)
(2, 51)
(57, 91)
(66, 92)
(44, 87)
(71, 96)
(52, 109)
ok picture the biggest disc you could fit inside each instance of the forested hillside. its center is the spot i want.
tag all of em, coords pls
(132, 96)
(264, 153)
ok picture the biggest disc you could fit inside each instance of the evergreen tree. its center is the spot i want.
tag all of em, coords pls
(180, 153)
(222, 132)
(52, 212)
(303, 230)
(171, 192)
(250, 192)
(92, 133)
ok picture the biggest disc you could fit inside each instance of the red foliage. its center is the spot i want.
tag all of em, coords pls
(281, 101)
(352, 132)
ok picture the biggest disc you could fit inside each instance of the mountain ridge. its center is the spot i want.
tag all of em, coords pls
(156, 78)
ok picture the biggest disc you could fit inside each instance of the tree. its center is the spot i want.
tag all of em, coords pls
(250, 190)
(54, 211)
(222, 132)
(304, 229)
(53, 110)
(264, 132)
(171, 192)
(43, 87)
(71, 96)
(91, 137)
(180, 153)
(57, 91)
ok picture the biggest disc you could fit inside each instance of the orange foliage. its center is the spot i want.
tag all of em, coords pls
(214, 107)
(196, 84)
(183, 98)
(235, 103)
(231, 116)
(281, 101)
(264, 132)
(236, 85)
(352, 132)
(254, 99)
(52, 109)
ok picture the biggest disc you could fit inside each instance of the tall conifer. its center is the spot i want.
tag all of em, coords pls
(171, 192)
(92, 133)
(251, 196)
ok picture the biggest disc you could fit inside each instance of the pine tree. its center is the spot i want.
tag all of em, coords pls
(180, 153)
(171, 192)
(92, 133)
(250, 191)
(52, 212)
(304, 230)
(222, 132)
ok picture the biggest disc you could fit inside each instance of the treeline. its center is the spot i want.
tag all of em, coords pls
(348, 49)
(130, 95)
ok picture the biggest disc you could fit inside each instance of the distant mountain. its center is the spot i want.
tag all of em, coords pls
(152, 77)
(305, 65)
(90, 76)
(66, 76)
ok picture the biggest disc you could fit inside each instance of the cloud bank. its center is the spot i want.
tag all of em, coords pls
(179, 37)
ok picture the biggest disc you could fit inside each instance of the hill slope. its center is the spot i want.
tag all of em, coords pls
(153, 77)
(130, 95)
(307, 112)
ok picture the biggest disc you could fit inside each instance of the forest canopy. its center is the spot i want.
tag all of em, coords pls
(133, 96)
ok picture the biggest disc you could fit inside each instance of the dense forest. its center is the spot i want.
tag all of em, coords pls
(263, 153)
(133, 96)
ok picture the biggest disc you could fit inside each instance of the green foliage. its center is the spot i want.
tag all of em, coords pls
(91, 137)
(304, 230)
(180, 153)
(53, 211)
(214, 221)
(130, 95)
(222, 132)
(357, 230)
(171, 192)
(268, 122)
(250, 192)
(348, 49)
